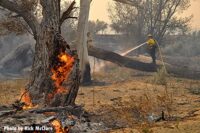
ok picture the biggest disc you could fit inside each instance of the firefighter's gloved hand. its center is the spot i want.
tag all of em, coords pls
(150, 47)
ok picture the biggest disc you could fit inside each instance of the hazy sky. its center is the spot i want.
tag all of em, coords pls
(99, 11)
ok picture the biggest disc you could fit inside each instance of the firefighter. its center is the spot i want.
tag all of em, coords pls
(152, 45)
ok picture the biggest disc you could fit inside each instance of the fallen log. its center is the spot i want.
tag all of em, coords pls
(192, 63)
(7, 112)
(123, 61)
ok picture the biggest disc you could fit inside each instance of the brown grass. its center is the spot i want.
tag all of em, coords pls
(128, 99)
(11, 90)
(160, 77)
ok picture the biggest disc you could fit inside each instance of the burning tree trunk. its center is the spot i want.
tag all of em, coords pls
(81, 43)
(54, 62)
(51, 69)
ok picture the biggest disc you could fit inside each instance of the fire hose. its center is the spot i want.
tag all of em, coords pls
(159, 49)
(160, 53)
(123, 54)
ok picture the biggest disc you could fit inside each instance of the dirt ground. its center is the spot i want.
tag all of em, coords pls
(124, 100)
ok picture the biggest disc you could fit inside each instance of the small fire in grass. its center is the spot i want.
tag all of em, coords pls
(58, 127)
(26, 99)
(61, 72)
(70, 122)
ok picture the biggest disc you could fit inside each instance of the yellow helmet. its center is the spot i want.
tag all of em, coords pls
(150, 35)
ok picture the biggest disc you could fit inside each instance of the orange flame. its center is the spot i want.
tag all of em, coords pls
(58, 127)
(61, 72)
(27, 100)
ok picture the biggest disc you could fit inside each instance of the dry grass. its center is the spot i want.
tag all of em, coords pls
(128, 99)
(134, 111)
(11, 90)
(160, 77)
(194, 88)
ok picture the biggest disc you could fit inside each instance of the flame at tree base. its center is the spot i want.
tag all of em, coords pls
(26, 99)
(60, 73)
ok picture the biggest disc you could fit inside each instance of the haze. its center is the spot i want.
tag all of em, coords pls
(99, 11)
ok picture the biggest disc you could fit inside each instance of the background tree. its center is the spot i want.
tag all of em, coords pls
(158, 17)
(97, 26)
(81, 43)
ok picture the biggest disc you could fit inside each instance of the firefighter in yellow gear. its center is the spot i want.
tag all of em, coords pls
(152, 45)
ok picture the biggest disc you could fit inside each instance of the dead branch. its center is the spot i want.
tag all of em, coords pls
(66, 14)
(7, 112)
(26, 15)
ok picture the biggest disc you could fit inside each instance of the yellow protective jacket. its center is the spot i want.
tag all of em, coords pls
(151, 42)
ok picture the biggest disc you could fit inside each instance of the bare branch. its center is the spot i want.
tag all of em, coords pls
(26, 15)
(130, 2)
(66, 14)
(72, 17)
(171, 12)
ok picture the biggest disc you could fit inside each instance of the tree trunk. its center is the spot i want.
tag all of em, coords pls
(54, 62)
(134, 64)
(43, 88)
(81, 43)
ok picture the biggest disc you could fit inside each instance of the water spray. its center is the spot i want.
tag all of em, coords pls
(159, 49)
(125, 53)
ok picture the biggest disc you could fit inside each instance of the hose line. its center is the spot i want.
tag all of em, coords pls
(161, 56)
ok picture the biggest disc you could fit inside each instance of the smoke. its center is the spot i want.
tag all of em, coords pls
(16, 53)
(11, 42)
(186, 46)
(184, 51)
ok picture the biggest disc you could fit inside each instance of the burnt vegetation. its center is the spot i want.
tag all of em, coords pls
(136, 94)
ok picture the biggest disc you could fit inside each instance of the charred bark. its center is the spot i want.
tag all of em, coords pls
(49, 44)
(87, 80)
(42, 87)
(75, 80)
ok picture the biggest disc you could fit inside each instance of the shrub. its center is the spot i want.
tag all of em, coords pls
(160, 77)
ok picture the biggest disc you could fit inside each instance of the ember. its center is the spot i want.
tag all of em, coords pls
(61, 72)
(58, 127)
(26, 99)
